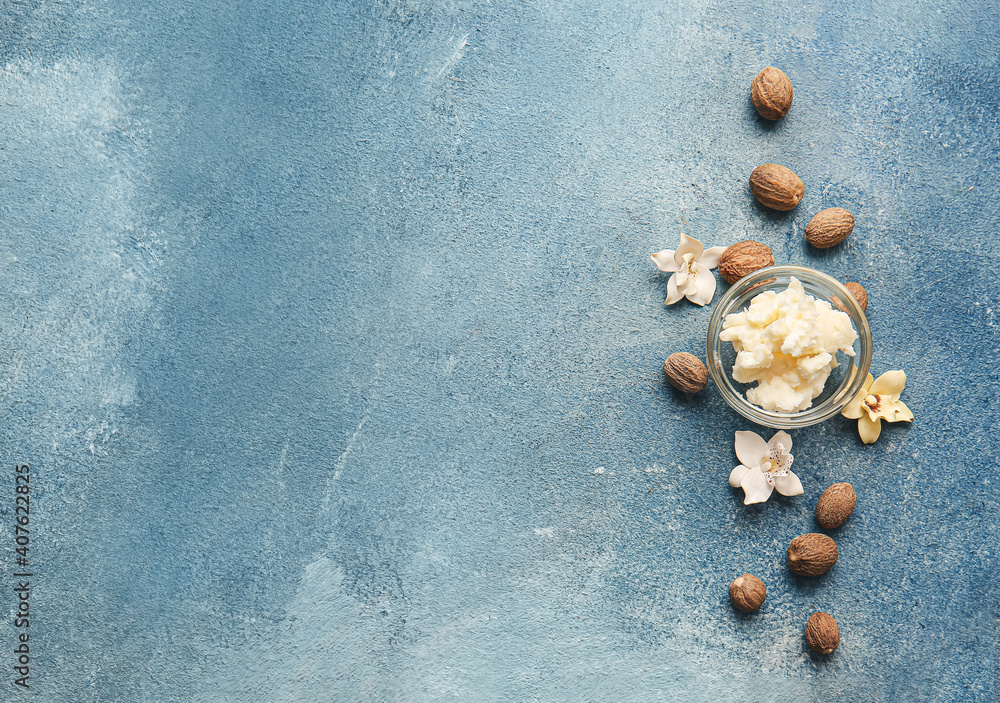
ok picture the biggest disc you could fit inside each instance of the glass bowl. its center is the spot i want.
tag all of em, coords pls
(844, 382)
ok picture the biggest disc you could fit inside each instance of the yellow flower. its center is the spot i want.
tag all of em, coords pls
(878, 400)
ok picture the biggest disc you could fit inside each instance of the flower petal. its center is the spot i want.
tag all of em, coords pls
(689, 245)
(673, 295)
(705, 283)
(902, 413)
(782, 438)
(856, 408)
(737, 475)
(788, 485)
(890, 383)
(869, 429)
(874, 414)
(710, 257)
(750, 448)
(755, 486)
(664, 261)
(687, 283)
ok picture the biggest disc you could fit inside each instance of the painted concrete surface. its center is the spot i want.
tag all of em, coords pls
(331, 337)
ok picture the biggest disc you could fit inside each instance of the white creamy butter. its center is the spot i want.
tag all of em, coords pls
(787, 342)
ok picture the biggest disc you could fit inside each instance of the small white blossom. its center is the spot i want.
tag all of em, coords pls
(691, 265)
(764, 467)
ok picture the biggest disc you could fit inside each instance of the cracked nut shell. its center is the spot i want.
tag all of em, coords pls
(685, 372)
(747, 593)
(771, 93)
(822, 633)
(812, 555)
(776, 187)
(836, 505)
(744, 258)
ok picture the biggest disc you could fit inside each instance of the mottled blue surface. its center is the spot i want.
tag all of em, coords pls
(318, 321)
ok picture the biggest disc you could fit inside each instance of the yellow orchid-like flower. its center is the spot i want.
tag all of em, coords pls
(878, 400)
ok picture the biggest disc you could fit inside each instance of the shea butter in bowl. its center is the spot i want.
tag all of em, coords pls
(798, 342)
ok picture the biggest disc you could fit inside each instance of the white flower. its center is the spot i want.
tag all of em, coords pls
(764, 467)
(691, 265)
(876, 401)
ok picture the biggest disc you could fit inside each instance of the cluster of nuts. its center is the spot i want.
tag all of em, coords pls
(811, 554)
(779, 188)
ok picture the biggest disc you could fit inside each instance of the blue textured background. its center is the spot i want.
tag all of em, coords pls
(319, 318)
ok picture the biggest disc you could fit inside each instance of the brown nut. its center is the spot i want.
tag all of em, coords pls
(747, 593)
(812, 555)
(859, 294)
(771, 92)
(822, 633)
(776, 187)
(829, 227)
(685, 372)
(744, 258)
(836, 505)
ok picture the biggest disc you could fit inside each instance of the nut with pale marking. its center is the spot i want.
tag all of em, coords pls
(747, 593)
(836, 505)
(744, 258)
(822, 633)
(812, 555)
(776, 187)
(685, 372)
(771, 93)
(829, 227)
